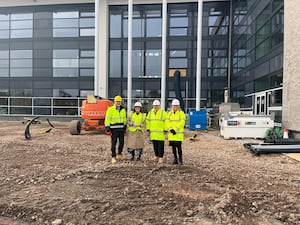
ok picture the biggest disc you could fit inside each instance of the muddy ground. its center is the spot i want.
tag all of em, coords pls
(56, 178)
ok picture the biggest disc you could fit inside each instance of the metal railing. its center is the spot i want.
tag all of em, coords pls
(40, 106)
(62, 106)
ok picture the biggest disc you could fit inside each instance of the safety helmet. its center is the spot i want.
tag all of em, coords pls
(118, 98)
(156, 102)
(175, 102)
(137, 104)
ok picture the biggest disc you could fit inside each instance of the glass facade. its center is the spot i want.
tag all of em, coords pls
(257, 48)
(45, 50)
(48, 51)
(181, 50)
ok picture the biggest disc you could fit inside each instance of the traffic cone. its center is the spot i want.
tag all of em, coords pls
(285, 133)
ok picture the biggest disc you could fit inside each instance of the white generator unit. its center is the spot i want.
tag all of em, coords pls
(244, 126)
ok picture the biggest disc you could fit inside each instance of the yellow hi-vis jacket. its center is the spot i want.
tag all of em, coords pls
(176, 121)
(136, 121)
(155, 122)
(115, 119)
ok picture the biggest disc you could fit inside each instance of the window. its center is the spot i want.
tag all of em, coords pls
(179, 22)
(21, 63)
(65, 62)
(86, 63)
(21, 25)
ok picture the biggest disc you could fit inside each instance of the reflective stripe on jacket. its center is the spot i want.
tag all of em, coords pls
(136, 121)
(155, 122)
(176, 121)
(115, 119)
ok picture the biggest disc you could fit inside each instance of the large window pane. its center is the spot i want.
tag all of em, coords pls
(21, 33)
(20, 16)
(4, 34)
(153, 27)
(65, 54)
(87, 32)
(72, 14)
(4, 25)
(59, 23)
(179, 22)
(67, 32)
(23, 24)
(115, 26)
(153, 63)
(20, 63)
(21, 54)
(115, 63)
(65, 63)
(21, 72)
(87, 22)
(87, 63)
(65, 72)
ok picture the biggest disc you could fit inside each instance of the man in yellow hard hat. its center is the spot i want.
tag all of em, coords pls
(115, 126)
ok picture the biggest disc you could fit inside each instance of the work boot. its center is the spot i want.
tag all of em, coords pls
(132, 156)
(180, 160)
(139, 152)
(175, 161)
(120, 156)
(113, 160)
(160, 160)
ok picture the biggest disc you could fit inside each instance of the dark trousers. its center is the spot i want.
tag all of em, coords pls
(159, 148)
(176, 148)
(115, 135)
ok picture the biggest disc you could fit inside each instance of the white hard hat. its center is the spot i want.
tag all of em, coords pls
(137, 104)
(175, 102)
(156, 102)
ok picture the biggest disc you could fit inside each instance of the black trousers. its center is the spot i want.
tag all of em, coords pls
(159, 148)
(176, 147)
(115, 135)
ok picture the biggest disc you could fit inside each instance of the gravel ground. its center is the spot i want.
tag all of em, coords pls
(57, 178)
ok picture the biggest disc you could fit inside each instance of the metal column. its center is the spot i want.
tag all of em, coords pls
(199, 55)
(129, 52)
(163, 55)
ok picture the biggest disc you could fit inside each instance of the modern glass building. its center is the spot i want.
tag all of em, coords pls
(50, 57)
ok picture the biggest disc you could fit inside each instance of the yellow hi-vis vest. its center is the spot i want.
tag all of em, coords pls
(136, 121)
(155, 122)
(176, 121)
(115, 119)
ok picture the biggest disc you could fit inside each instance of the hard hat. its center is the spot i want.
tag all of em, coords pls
(156, 102)
(118, 98)
(137, 104)
(175, 102)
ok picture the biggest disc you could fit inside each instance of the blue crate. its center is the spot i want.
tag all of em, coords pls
(198, 120)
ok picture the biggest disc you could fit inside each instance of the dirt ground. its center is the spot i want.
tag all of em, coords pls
(57, 178)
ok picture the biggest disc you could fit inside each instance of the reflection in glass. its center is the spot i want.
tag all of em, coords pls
(65, 32)
(21, 33)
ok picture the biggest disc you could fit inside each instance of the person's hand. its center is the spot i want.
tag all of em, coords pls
(173, 131)
(108, 133)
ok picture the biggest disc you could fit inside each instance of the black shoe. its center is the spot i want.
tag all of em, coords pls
(180, 162)
(132, 156)
(175, 162)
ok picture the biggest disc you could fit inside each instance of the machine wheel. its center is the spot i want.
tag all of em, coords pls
(75, 127)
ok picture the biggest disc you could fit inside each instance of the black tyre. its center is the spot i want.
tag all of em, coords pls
(75, 127)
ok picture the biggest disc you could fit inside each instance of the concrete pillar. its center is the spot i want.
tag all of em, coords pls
(291, 67)
(101, 48)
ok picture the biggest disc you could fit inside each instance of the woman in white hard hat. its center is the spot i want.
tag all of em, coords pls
(135, 136)
(175, 125)
(156, 125)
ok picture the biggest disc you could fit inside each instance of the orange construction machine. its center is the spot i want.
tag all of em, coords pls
(93, 115)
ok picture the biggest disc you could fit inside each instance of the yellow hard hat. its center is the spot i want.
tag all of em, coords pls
(118, 98)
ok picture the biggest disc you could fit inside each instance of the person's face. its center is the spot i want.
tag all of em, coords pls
(175, 107)
(156, 107)
(118, 103)
(137, 109)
